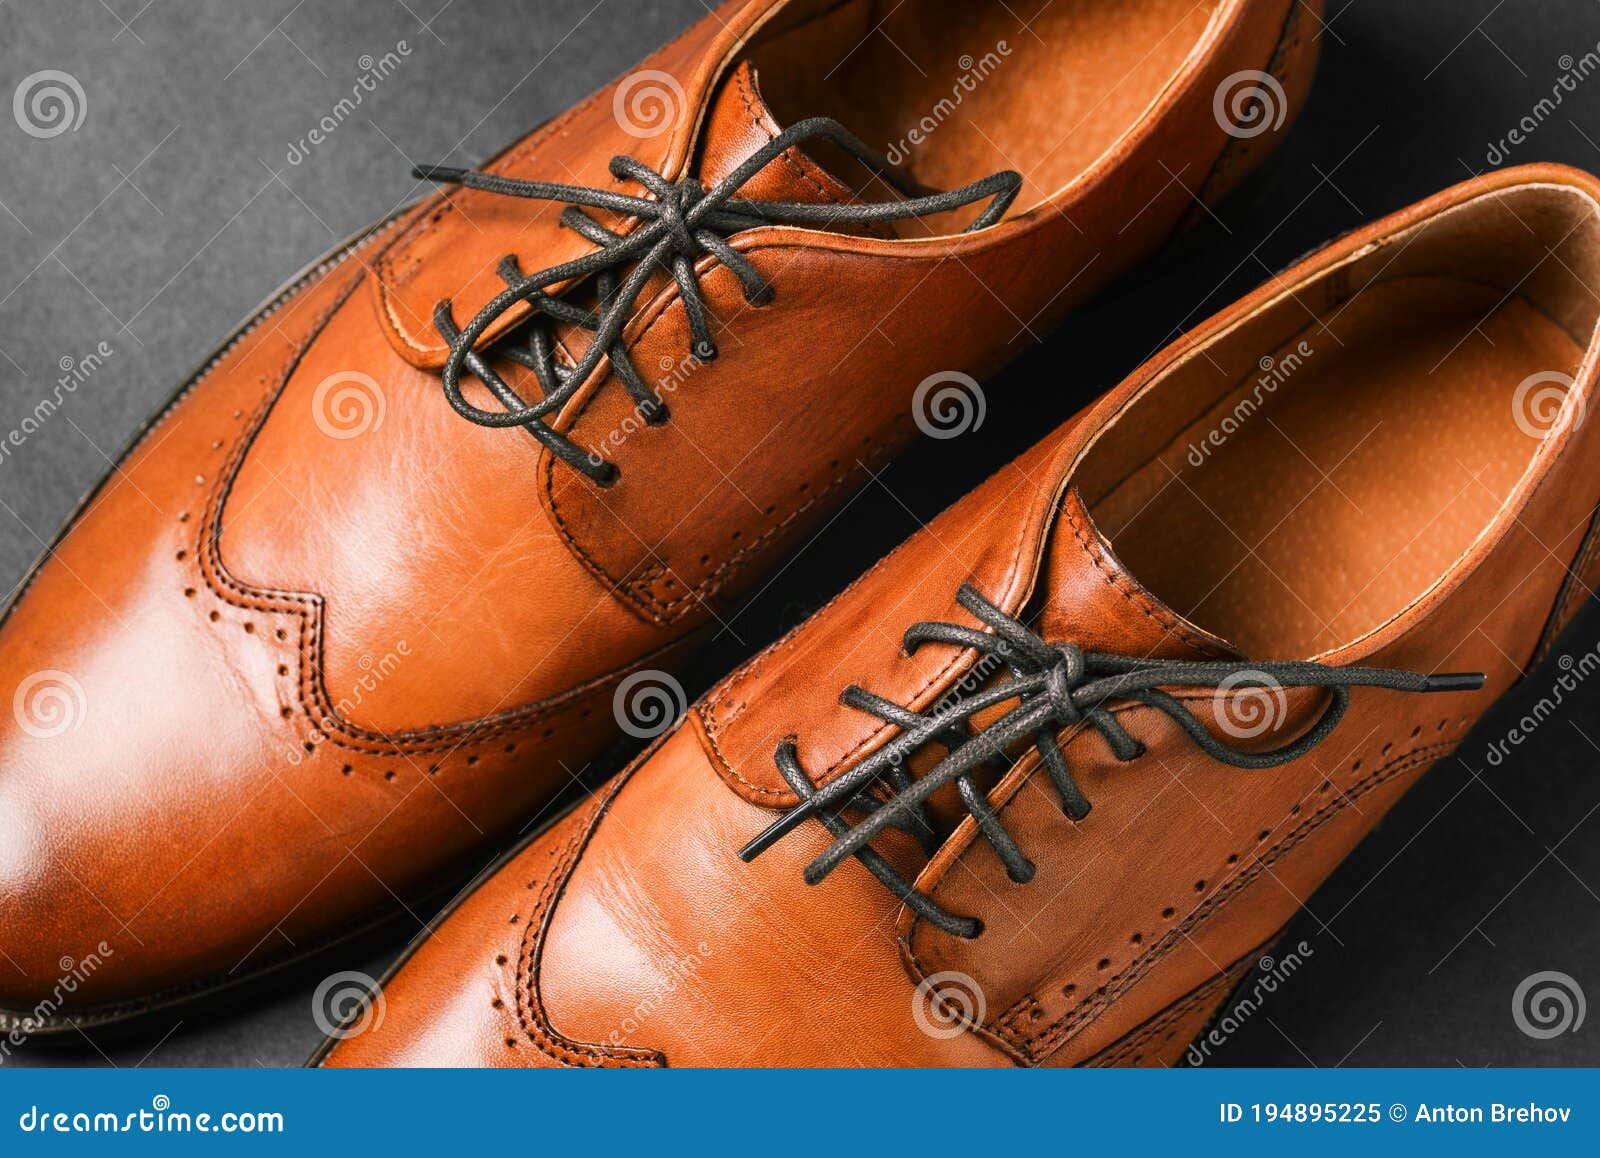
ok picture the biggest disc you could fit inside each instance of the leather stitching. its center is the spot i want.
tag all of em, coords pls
(1120, 1051)
(797, 163)
(1093, 1005)
(709, 586)
(1239, 153)
(663, 612)
(390, 277)
(849, 757)
(1125, 587)
(311, 694)
(530, 1002)
(384, 266)
(1576, 586)
(1141, 964)
(650, 608)
(323, 267)
(748, 98)
(754, 667)
(1577, 593)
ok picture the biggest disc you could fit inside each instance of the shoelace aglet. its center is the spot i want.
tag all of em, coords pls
(438, 173)
(1465, 681)
(778, 829)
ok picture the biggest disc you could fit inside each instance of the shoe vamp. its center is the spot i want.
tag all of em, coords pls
(445, 592)
(663, 940)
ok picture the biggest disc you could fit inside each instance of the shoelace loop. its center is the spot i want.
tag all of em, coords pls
(681, 222)
(1055, 686)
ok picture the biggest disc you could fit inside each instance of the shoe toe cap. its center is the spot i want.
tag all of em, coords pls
(111, 791)
(460, 997)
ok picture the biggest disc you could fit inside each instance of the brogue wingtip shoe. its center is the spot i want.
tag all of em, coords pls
(393, 569)
(1045, 784)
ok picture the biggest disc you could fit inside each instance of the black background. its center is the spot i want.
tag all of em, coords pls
(173, 210)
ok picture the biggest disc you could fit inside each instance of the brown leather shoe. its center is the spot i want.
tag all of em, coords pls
(317, 638)
(1109, 719)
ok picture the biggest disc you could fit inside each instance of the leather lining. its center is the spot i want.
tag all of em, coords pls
(1448, 350)
(897, 84)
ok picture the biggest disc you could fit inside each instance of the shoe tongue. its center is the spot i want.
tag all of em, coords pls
(737, 124)
(1089, 599)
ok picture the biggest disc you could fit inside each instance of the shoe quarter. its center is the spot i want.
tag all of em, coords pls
(1182, 865)
(806, 397)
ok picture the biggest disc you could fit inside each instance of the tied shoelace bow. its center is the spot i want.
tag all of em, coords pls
(1055, 686)
(680, 223)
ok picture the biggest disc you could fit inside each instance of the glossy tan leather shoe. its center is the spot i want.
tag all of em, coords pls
(335, 624)
(1108, 720)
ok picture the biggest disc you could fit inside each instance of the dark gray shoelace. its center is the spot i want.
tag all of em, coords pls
(681, 222)
(1055, 686)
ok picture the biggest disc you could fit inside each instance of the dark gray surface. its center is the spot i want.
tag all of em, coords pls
(173, 209)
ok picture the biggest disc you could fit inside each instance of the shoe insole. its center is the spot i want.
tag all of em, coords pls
(957, 91)
(1360, 478)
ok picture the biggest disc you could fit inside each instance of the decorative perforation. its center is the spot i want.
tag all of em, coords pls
(303, 617)
(1040, 1022)
(531, 1014)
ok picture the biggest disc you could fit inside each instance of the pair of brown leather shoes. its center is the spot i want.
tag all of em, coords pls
(426, 536)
